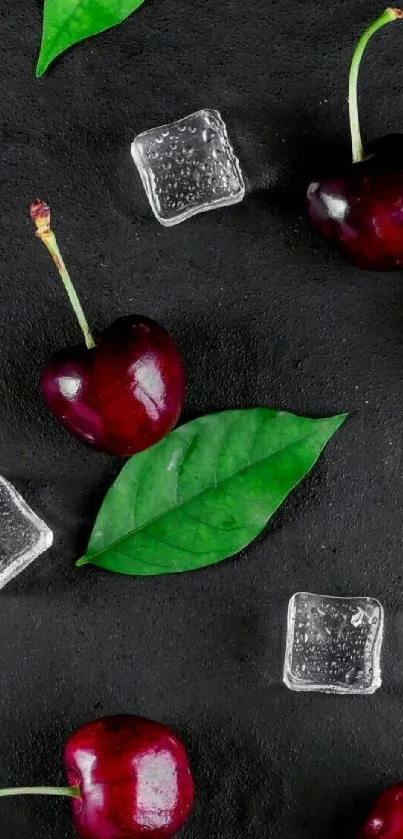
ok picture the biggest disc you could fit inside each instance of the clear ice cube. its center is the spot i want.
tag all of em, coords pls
(333, 644)
(188, 167)
(23, 536)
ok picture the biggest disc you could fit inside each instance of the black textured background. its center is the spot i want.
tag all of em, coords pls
(265, 314)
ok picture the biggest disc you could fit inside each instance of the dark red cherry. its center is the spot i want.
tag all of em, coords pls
(123, 395)
(386, 818)
(133, 778)
(360, 210)
(129, 778)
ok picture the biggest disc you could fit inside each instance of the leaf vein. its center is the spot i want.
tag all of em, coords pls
(210, 524)
(224, 442)
(254, 438)
(138, 478)
(180, 464)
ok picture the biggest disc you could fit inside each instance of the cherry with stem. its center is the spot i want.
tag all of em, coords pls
(360, 208)
(122, 392)
(129, 779)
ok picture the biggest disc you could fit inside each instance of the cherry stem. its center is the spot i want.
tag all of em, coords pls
(387, 16)
(69, 792)
(40, 214)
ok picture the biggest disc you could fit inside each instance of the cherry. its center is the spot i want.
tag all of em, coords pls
(386, 819)
(123, 395)
(129, 779)
(360, 210)
(122, 392)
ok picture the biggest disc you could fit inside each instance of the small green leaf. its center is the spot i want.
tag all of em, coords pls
(204, 491)
(65, 22)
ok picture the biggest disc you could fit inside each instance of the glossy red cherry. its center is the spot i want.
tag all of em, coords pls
(121, 393)
(129, 779)
(360, 210)
(133, 776)
(386, 819)
(122, 396)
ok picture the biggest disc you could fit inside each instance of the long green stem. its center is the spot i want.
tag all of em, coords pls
(387, 16)
(70, 792)
(40, 214)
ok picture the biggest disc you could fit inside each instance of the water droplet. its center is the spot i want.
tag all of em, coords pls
(165, 132)
(159, 139)
(208, 135)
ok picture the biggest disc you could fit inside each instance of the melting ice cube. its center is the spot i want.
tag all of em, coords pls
(188, 167)
(333, 644)
(23, 536)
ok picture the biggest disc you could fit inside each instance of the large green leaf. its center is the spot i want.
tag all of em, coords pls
(65, 22)
(205, 491)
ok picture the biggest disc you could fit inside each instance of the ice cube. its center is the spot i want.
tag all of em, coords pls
(333, 644)
(188, 167)
(23, 536)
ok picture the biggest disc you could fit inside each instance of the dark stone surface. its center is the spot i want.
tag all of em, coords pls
(265, 314)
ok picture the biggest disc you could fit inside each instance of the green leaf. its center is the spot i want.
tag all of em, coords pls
(204, 491)
(65, 22)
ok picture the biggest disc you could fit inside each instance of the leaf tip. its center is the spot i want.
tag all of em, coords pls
(82, 561)
(336, 420)
(42, 64)
(39, 70)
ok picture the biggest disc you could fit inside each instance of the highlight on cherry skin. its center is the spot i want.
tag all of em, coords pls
(124, 389)
(360, 209)
(386, 819)
(129, 778)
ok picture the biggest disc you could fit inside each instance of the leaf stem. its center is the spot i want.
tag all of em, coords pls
(69, 792)
(356, 142)
(40, 214)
